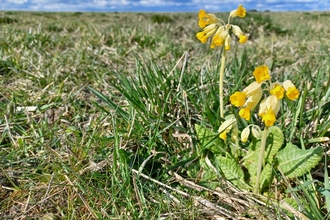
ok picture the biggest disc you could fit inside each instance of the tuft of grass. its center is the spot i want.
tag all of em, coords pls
(7, 20)
(161, 18)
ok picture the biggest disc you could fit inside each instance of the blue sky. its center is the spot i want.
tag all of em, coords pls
(163, 5)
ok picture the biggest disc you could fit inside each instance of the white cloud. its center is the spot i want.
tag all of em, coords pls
(18, 2)
(162, 5)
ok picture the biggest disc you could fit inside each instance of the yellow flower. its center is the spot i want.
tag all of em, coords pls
(238, 99)
(205, 18)
(226, 126)
(269, 118)
(215, 27)
(240, 12)
(223, 135)
(202, 14)
(238, 32)
(219, 37)
(245, 113)
(248, 98)
(250, 103)
(243, 39)
(271, 102)
(206, 33)
(261, 73)
(291, 91)
(268, 109)
(277, 90)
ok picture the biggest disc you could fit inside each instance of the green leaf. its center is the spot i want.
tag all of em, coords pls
(274, 142)
(232, 172)
(208, 139)
(295, 162)
(266, 176)
(292, 202)
(251, 159)
(325, 192)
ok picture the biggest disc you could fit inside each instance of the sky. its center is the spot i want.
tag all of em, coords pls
(162, 5)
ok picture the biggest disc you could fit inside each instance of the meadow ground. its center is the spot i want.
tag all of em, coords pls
(98, 114)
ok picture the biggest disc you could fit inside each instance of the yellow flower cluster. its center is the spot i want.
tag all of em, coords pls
(248, 99)
(220, 32)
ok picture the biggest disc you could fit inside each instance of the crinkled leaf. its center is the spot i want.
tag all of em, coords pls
(266, 176)
(232, 172)
(274, 142)
(295, 162)
(251, 160)
(208, 139)
(292, 202)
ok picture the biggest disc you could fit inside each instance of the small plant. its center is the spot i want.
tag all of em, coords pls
(260, 156)
(264, 153)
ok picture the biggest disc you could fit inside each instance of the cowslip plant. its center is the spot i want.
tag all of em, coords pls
(219, 32)
(273, 93)
(264, 153)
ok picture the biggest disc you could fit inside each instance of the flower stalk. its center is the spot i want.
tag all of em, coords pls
(261, 160)
(222, 73)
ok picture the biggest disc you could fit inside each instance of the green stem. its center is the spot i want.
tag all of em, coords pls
(222, 72)
(261, 159)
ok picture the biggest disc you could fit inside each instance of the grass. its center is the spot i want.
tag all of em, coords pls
(98, 113)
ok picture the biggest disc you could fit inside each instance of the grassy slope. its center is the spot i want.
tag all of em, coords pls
(72, 157)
